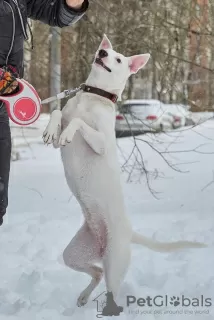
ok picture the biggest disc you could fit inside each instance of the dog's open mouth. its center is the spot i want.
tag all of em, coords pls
(102, 64)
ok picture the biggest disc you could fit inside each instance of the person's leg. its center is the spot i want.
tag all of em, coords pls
(5, 156)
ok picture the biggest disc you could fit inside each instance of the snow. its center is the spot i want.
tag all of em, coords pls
(43, 217)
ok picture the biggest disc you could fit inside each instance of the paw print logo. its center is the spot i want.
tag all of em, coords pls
(175, 301)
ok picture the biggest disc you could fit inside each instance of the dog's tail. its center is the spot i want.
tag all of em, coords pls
(164, 246)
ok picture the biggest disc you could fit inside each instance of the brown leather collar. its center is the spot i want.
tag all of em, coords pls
(100, 92)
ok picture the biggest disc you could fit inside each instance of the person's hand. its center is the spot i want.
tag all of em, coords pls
(8, 82)
(76, 4)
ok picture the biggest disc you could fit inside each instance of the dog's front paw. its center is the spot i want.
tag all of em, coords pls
(82, 300)
(50, 134)
(54, 126)
(68, 134)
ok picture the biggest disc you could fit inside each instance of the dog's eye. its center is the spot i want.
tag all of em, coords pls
(119, 60)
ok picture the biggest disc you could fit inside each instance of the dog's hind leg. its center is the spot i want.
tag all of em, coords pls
(80, 255)
(115, 262)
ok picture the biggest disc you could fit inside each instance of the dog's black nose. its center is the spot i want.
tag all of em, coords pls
(103, 53)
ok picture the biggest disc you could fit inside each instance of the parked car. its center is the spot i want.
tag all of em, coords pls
(140, 116)
(164, 119)
(180, 113)
(131, 116)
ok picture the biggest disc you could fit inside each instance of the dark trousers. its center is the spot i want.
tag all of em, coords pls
(5, 156)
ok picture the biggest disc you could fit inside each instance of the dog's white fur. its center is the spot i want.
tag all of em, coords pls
(85, 132)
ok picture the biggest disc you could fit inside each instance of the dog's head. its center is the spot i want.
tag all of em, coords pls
(111, 70)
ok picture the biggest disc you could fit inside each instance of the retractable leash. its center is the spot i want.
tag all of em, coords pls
(24, 107)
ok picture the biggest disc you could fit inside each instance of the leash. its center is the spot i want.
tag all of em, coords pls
(63, 94)
(89, 89)
(24, 107)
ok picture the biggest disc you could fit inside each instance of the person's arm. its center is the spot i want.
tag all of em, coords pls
(59, 13)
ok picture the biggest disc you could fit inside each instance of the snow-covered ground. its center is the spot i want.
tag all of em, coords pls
(43, 217)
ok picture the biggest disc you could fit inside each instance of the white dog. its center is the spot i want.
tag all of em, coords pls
(85, 132)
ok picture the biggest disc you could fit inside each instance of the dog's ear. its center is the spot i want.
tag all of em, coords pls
(138, 62)
(105, 44)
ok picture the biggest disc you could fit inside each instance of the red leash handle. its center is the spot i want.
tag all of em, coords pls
(24, 106)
